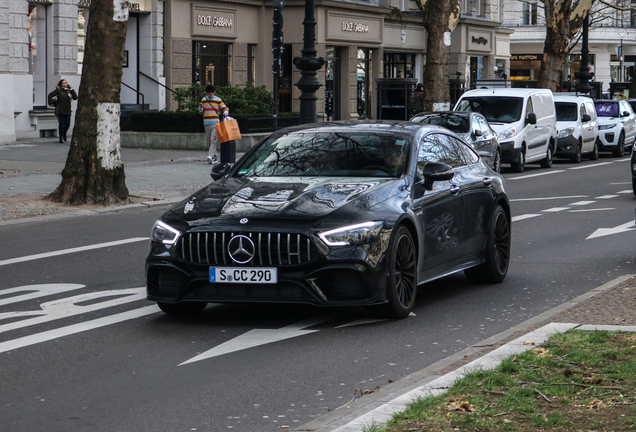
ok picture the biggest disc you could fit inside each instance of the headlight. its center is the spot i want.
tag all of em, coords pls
(164, 233)
(508, 133)
(565, 132)
(607, 126)
(353, 234)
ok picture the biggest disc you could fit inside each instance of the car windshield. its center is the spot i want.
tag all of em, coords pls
(349, 154)
(495, 108)
(454, 122)
(565, 111)
(607, 109)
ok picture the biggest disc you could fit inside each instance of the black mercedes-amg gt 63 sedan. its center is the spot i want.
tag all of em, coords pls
(334, 214)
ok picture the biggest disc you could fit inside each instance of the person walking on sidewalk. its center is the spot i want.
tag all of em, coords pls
(212, 106)
(60, 98)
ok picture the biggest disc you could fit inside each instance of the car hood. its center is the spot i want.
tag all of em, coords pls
(285, 198)
(607, 120)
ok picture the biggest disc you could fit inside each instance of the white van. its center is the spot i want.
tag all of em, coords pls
(524, 119)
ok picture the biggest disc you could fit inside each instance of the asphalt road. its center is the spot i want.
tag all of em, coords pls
(84, 351)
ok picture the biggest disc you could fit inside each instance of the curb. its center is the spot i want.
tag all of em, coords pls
(376, 409)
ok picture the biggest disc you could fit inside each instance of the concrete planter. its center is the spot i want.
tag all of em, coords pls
(181, 140)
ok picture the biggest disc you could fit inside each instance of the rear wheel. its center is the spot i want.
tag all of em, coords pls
(402, 278)
(519, 165)
(495, 268)
(576, 158)
(186, 308)
(620, 147)
(547, 161)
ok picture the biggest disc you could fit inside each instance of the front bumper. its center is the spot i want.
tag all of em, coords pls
(608, 138)
(566, 147)
(509, 153)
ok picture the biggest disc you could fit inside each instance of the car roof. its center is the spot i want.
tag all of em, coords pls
(572, 98)
(363, 126)
(604, 101)
(517, 92)
(457, 113)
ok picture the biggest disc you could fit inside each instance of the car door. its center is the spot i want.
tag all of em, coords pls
(629, 122)
(533, 132)
(438, 210)
(588, 129)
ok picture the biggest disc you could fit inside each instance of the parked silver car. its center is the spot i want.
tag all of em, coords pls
(472, 127)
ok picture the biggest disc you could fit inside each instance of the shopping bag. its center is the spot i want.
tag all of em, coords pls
(228, 130)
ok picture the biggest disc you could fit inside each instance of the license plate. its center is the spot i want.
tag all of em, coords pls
(255, 275)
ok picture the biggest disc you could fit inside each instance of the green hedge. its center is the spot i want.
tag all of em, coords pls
(184, 121)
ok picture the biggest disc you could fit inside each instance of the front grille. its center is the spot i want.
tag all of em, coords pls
(272, 249)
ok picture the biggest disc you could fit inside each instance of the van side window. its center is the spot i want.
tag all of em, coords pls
(582, 111)
(529, 108)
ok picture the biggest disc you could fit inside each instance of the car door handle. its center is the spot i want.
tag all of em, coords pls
(487, 181)
(454, 189)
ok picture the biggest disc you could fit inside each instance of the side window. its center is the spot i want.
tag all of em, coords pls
(591, 110)
(438, 147)
(529, 108)
(582, 111)
(483, 125)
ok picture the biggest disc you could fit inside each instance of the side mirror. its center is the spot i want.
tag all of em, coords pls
(478, 132)
(625, 113)
(532, 118)
(219, 170)
(436, 171)
(586, 118)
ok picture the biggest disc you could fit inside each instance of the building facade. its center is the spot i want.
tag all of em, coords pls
(42, 42)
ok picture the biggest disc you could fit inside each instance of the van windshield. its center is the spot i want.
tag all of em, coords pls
(566, 111)
(496, 109)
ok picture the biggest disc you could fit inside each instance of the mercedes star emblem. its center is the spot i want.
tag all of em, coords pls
(241, 249)
(244, 221)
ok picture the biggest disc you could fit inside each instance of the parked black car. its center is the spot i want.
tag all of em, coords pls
(334, 214)
(472, 127)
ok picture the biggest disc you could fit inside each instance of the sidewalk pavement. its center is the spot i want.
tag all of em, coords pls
(30, 169)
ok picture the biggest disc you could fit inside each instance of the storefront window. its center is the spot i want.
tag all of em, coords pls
(212, 62)
(82, 22)
(364, 82)
(251, 63)
(37, 52)
(332, 83)
(399, 65)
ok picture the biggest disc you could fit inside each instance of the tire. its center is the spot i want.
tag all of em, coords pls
(619, 151)
(546, 162)
(401, 286)
(634, 185)
(496, 165)
(594, 154)
(576, 158)
(519, 165)
(497, 254)
(185, 308)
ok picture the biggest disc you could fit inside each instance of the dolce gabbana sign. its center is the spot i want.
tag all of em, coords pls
(348, 28)
(213, 21)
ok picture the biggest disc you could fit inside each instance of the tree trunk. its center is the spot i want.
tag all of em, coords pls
(554, 51)
(436, 23)
(94, 172)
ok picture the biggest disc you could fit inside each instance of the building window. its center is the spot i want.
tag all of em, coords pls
(471, 7)
(364, 89)
(82, 23)
(212, 63)
(251, 63)
(37, 52)
(399, 65)
(529, 15)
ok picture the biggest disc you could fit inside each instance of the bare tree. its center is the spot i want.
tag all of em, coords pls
(94, 172)
(440, 19)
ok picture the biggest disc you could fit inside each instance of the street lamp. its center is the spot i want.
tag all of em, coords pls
(584, 74)
(620, 61)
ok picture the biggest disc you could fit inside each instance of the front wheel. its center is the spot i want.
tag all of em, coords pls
(185, 308)
(497, 254)
(519, 165)
(594, 154)
(576, 158)
(620, 147)
(547, 161)
(402, 277)
(496, 165)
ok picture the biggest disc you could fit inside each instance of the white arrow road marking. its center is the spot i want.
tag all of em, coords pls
(76, 328)
(34, 291)
(629, 226)
(364, 321)
(257, 337)
(71, 250)
(68, 307)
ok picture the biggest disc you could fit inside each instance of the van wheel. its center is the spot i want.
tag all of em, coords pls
(576, 158)
(547, 161)
(520, 164)
(497, 163)
(620, 147)
(594, 154)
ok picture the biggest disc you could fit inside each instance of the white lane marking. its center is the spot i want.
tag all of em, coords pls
(556, 209)
(549, 198)
(257, 337)
(536, 175)
(606, 196)
(30, 292)
(67, 307)
(76, 328)
(522, 217)
(591, 166)
(628, 226)
(582, 203)
(591, 210)
(626, 191)
(72, 250)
